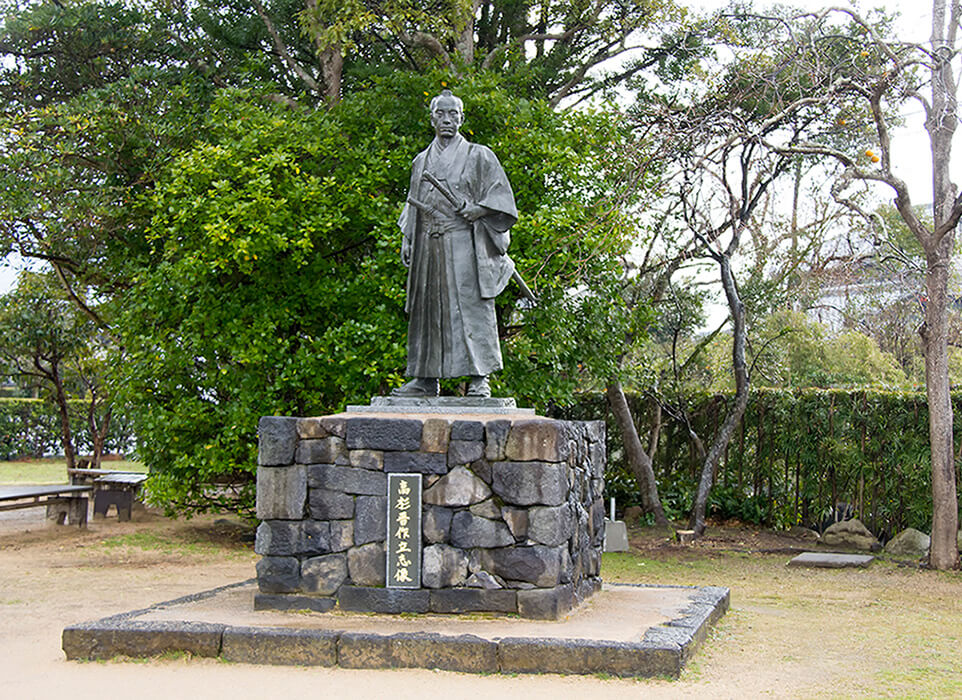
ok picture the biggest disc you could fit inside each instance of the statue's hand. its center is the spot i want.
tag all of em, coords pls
(406, 253)
(472, 212)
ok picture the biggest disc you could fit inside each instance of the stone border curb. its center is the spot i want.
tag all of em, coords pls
(663, 651)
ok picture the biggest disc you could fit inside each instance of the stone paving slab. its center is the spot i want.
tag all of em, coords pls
(624, 630)
(827, 560)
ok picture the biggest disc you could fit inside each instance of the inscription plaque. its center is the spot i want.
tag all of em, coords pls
(404, 531)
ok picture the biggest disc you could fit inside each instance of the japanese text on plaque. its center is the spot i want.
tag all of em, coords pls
(404, 531)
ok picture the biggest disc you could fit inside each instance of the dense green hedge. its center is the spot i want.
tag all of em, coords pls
(31, 428)
(797, 453)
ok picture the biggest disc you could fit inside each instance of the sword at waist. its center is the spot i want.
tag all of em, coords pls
(424, 207)
(446, 192)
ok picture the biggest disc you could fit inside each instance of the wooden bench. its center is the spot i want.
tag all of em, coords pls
(63, 501)
(111, 488)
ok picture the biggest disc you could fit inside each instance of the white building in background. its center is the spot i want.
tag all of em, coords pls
(862, 282)
(881, 296)
(865, 293)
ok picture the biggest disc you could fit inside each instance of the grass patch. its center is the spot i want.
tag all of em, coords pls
(163, 544)
(921, 682)
(217, 540)
(692, 569)
(53, 471)
(885, 631)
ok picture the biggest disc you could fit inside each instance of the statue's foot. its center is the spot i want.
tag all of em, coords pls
(421, 387)
(479, 386)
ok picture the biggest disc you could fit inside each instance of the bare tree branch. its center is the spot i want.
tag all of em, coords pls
(429, 42)
(283, 51)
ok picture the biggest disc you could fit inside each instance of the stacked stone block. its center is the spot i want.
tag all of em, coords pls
(512, 512)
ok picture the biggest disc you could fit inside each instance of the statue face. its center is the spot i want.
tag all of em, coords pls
(446, 117)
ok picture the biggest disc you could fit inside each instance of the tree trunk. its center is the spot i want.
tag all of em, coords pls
(655, 433)
(638, 461)
(740, 368)
(464, 46)
(66, 435)
(945, 508)
(940, 124)
(332, 66)
(98, 433)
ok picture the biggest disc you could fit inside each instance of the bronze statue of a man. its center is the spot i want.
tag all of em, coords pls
(456, 224)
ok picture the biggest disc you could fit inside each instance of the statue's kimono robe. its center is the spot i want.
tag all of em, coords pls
(457, 268)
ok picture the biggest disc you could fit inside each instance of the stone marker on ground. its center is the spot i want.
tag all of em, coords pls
(616, 532)
(633, 514)
(832, 560)
(803, 533)
(616, 536)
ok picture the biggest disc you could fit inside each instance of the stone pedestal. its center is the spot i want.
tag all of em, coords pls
(512, 510)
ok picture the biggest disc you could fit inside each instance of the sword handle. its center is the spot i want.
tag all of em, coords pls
(445, 191)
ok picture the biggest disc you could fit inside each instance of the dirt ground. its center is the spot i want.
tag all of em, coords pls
(790, 633)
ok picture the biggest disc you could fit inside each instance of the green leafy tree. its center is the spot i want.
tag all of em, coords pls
(551, 50)
(45, 338)
(92, 99)
(185, 157)
(275, 284)
(790, 350)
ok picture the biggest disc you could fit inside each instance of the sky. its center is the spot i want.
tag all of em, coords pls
(910, 143)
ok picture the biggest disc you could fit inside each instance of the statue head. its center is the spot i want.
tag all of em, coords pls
(447, 114)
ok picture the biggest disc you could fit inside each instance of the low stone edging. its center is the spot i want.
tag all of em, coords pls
(663, 651)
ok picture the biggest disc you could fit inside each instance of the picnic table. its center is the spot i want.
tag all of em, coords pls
(110, 488)
(63, 501)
